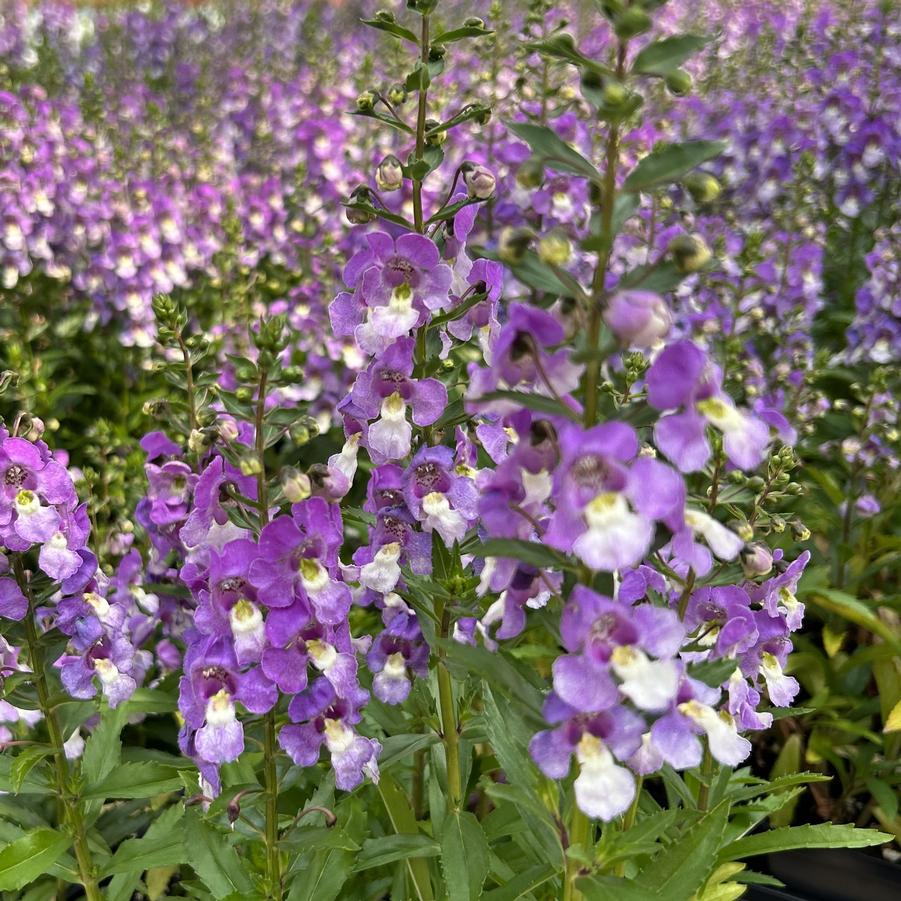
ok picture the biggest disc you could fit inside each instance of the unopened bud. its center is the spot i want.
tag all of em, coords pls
(703, 187)
(638, 318)
(555, 249)
(513, 244)
(630, 22)
(530, 174)
(756, 560)
(397, 94)
(678, 82)
(479, 181)
(366, 102)
(690, 253)
(295, 485)
(389, 175)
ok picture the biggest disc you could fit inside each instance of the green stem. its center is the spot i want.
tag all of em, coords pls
(270, 748)
(706, 776)
(70, 804)
(449, 729)
(598, 291)
(579, 834)
(629, 821)
(273, 861)
(420, 127)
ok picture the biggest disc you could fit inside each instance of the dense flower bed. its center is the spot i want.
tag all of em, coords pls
(461, 413)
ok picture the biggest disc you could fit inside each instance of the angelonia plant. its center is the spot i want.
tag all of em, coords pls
(504, 618)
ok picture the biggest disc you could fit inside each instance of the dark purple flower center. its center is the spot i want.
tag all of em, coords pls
(590, 472)
(389, 497)
(713, 613)
(232, 583)
(602, 628)
(396, 528)
(15, 475)
(431, 477)
(398, 271)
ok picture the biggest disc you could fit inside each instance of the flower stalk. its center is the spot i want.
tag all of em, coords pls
(70, 804)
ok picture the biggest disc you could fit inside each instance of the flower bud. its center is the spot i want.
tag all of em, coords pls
(474, 22)
(366, 102)
(397, 94)
(434, 138)
(703, 187)
(638, 318)
(479, 181)
(530, 174)
(513, 244)
(386, 16)
(630, 22)
(745, 531)
(250, 466)
(690, 253)
(295, 485)
(555, 248)
(756, 560)
(678, 82)
(360, 194)
(389, 175)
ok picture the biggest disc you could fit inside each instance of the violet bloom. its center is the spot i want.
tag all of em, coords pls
(604, 789)
(396, 283)
(683, 380)
(13, 604)
(383, 392)
(398, 651)
(607, 501)
(520, 360)
(604, 639)
(323, 718)
(298, 554)
(437, 496)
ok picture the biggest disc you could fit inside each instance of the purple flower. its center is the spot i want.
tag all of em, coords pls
(638, 318)
(607, 500)
(683, 380)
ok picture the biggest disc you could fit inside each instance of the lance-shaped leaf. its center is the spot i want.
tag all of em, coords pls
(669, 163)
(554, 152)
(31, 856)
(821, 835)
(666, 55)
(392, 28)
(562, 46)
(464, 855)
(459, 34)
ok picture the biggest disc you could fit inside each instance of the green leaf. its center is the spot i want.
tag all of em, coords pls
(377, 852)
(666, 55)
(612, 888)
(398, 747)
(787, 763)
(821, 835)
(162, 846)
(852, 609)
(136, 780)
(684, 866)
(404, 823)
(459, 34)
(24, 762)
(34, 782)
(661, 278)
(329, 868)
(103, 749)
(522, 884)
(500, 671)
(528, 551)
(562, 46)
(669, 163)
(712, 672)
(553, 151)
(464, 855)
(29, 857)
(392, 28)
(214, 858)
(538, 402)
